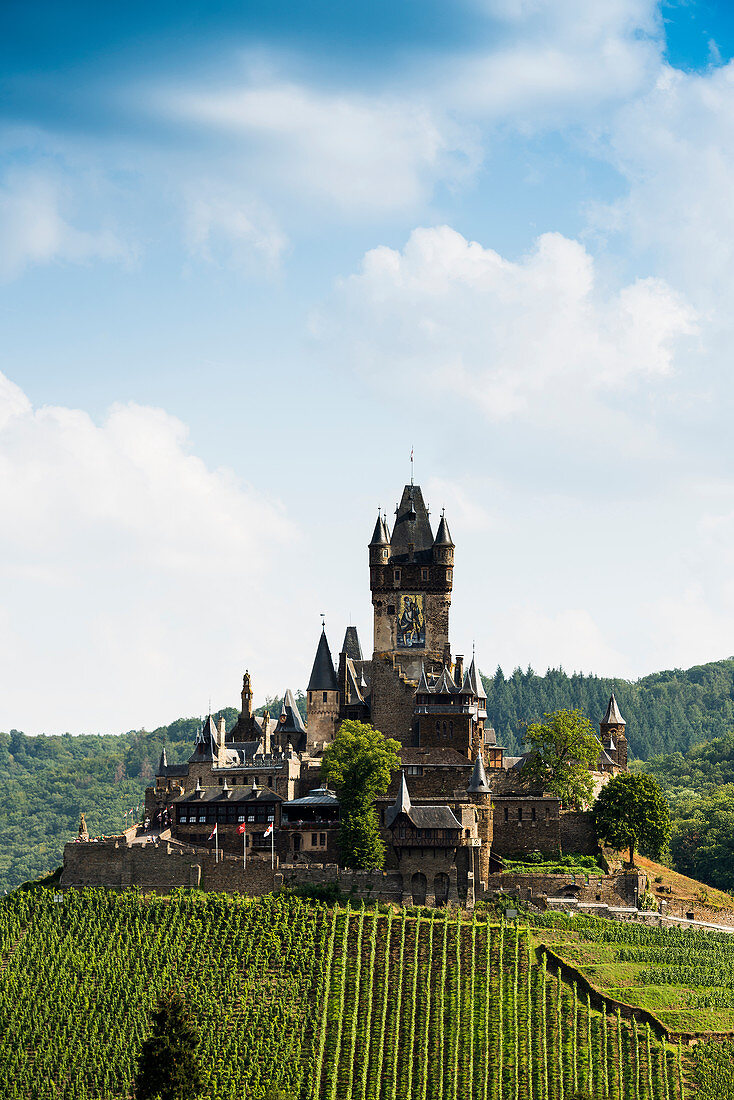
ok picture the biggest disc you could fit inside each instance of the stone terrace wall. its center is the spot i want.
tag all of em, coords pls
(368, 885)
(578, 834)
(612, 890)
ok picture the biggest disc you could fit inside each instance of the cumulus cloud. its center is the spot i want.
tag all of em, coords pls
(534, 338)
(132, 570)
(34, 228)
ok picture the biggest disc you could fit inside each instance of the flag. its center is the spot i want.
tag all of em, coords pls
(213, 832)
(269, 830)
(242, 828)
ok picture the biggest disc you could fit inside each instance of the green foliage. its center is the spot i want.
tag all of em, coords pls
(632, 812)
(359, 764)
(169, 1067)
(561, 750)
(702, 845)
(666, 712)
(714, 1070)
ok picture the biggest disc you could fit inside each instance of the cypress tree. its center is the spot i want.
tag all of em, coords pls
(169, 1067)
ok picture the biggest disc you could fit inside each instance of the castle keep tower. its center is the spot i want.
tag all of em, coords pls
(613, 737)
(411, 577)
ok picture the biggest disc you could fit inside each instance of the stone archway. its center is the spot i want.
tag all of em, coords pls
(441, 885)
(419, 887)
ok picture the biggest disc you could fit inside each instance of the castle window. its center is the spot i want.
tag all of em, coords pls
(397, 575)
(384, 555)
(451, 729)
(310, 697)
(314, 840)
(391, 609)
(547, 812)
(438, 727)
(532, 813)
(413, 769)
(519, 813)
(424, 574)
(444, 729)
(325, 695)
(323, 840)
(507, 814)
(270, 780)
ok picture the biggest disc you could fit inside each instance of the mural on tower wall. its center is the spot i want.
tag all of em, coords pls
(411, 622)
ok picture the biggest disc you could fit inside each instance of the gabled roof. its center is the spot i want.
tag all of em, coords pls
(612, 716)
(478, 783)
(350, 645)
(354, 687)
(290, 716)
(401, 805)
(473, 682)
(434, 817)
(323, 676)
(412, 527)
(445, 684)
(443, 535)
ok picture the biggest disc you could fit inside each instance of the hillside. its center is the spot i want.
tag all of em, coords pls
(665, 712)
(316, 1003)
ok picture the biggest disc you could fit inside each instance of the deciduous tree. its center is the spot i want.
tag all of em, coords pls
(562, 749)
(632, 812)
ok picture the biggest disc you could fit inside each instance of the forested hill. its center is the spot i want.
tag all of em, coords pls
(665, 712)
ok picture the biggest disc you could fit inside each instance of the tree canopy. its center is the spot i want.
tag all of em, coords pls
(702, 845)
(169, 1067)
(632, 812)
(359, 764)
(562, 748)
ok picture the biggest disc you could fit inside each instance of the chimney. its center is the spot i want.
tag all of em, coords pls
(222, 730)
(459, 670)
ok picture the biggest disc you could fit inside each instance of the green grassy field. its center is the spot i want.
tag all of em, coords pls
(685, 977)
(313, 1002)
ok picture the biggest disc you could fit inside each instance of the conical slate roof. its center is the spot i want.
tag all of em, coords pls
(351, 646)
(162, 763)
(612, 716)
(445, 685)
(402, 804)
(423, 687)
(323, 676)
(379, 535)
(412, 525)
(478, 783)
(443, 535)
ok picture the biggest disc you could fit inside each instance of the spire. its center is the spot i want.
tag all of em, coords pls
(443, 535)
(478, 783)
(323, 677)
(473, 682)
(402, 804)
(163, 762)
(423, 687)
(612, 716)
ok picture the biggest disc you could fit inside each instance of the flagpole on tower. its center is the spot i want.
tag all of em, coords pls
(411, 465)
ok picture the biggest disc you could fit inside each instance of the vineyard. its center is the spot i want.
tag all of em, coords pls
(684, 976)
(305, 1001)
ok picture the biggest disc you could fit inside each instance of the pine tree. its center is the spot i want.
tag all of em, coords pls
(169, 1067)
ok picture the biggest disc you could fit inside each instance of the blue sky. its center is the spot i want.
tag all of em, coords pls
(251, 254)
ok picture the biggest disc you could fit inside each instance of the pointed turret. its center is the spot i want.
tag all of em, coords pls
(322, 698)
(478, 783)
(612, 716)
(323, 676)
(473, 682)
(163, 762)
(402, 803)
(350, 646)
(443, 535)
(380, 536)
(423, 687)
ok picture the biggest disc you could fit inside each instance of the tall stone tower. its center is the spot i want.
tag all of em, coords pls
(322, 699)
(613, 738)
(411, 577)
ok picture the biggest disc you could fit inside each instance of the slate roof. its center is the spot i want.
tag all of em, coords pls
(478, 784)
(323, 676)
(290, 719)
(434, 817)
(380, 536)
(412, 527)
(319, 796)
(236, 794)
(351, 646)
(612, 716)
(436, 756)
(443, 535)
(401, 805)
(473, 682)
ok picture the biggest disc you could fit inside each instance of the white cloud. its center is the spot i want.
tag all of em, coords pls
(535, 339)
(132, 571)
(380, 152)
(222, 227)
(34, 228)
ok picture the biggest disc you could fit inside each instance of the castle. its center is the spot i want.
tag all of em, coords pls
(458, 805)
